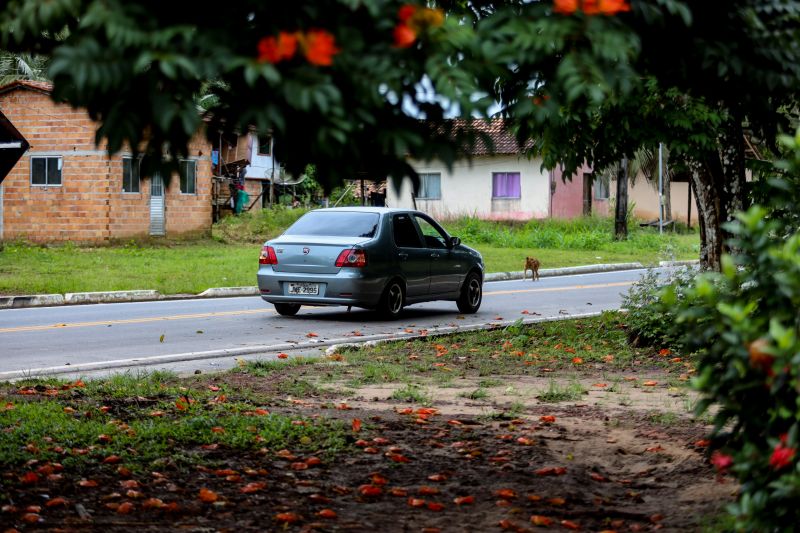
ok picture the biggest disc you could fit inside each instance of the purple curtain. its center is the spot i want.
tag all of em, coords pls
(505, 185)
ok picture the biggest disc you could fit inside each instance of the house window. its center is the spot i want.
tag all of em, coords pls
(601, 188)
(130, 174)
(188, 174)
(430, 186)
(265, 146)
(505, 185)
(46, 171)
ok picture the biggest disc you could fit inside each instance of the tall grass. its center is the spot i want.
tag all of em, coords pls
(256, 226)
(584, 233)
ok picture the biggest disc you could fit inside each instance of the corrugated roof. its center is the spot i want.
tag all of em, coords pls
(488, 137)
(40, 86)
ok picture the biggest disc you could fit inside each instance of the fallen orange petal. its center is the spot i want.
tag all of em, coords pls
(539, 520)
(207, 496)
(507, 494)
(289, 518)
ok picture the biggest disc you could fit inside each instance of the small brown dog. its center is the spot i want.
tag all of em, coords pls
(532, 264)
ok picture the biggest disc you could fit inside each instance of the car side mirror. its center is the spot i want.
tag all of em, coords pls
(454, 241)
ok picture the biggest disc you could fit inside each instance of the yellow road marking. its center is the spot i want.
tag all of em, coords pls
(136, 320)
(269, 310)
(570, 288)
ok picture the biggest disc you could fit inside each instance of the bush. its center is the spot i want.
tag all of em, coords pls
(650, 321)
(744, 323)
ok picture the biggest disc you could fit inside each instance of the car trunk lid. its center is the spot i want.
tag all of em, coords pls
(311, 254)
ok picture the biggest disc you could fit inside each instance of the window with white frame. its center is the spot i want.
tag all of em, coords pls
(188, 176)
(430, 186)
(46, 171)
(130, 174)
(506, 185)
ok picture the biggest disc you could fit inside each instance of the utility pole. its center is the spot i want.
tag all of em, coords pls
(660, 189)
(621, 214)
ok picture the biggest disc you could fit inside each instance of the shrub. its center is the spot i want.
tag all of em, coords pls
(651, 321)
(744, 323)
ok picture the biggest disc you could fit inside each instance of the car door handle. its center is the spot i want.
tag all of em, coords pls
(403, 256)
(435, 255)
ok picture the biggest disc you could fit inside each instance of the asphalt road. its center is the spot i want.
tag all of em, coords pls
(209, 333)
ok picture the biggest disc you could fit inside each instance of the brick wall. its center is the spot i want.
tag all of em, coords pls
(89, 205)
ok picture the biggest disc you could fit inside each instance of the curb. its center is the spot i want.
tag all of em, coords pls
(80, 298)
(332, 344)
(566, 271)
(36, 300)
(72, 298)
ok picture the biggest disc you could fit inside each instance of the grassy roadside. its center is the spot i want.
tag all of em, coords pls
(425, 432)
(230, 259)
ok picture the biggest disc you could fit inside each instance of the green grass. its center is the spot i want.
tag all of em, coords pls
(478, 394)
(412, 394)
(556, 392)
(515, 350)
(143, 419)
(230, 258)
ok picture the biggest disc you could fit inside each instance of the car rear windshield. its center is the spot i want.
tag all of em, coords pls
(336, 224)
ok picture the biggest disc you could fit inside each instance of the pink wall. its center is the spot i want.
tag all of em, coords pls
(566, 198)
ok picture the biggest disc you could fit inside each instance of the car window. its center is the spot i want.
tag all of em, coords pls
(405, 233)
(433, 237)
(336, 224)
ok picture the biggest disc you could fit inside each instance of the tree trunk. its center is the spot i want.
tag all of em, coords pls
(621, 213)
(588, 178)
(719, 186)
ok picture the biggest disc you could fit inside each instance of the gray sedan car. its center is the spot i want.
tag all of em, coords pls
(371, 257)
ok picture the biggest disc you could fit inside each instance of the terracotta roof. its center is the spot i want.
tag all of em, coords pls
(484, 137)
(40, 86)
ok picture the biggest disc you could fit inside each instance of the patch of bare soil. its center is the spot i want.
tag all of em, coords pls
(629, 459)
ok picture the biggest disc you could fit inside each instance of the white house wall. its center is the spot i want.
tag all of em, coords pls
(467, 190)
(261, 166)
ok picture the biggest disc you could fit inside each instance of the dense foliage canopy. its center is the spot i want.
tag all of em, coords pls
(344, 84)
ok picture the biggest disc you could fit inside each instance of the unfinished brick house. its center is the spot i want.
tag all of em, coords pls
(64, 188)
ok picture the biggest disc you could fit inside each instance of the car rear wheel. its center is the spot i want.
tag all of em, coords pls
(469, 301)
(287, 309)
(391, 303)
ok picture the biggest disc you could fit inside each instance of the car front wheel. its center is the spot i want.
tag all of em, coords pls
(287, 309)
(391, 303)
(469, 301)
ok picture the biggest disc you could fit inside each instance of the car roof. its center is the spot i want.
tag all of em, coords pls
(367, 209)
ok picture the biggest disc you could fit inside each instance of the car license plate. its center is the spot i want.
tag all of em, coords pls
(304, 288)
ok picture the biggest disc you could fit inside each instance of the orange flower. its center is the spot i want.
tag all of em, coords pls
(565, 7)
(591, 7)
(275, 50)
(404, 36)
(320, 47)
(612, 7)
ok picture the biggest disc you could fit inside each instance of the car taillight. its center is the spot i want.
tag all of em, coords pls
(352, 258)
(267, 256)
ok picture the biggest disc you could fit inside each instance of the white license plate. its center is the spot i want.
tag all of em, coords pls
(304, 288)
